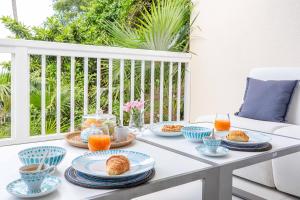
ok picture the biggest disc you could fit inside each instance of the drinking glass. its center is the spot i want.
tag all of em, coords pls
(100, 142)
(222, 122)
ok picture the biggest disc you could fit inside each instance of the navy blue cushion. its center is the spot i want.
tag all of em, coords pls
(267, 100)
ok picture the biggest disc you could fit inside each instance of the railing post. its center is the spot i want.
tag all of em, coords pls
(20, 99)
(187, 92)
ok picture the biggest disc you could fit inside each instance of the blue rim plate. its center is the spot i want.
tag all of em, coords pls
(156, 128)
(257, 148)
(221, 151)
(94, 164)
(87, 181)
(255, 138)
(18, 187)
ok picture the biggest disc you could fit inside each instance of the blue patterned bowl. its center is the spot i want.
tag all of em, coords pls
(195, 133)
(35, 154)
(211, 143)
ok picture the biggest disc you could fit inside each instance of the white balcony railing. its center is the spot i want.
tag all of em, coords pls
(21, 50)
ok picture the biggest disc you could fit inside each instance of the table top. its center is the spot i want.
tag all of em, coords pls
(181, 145)
(167, 164)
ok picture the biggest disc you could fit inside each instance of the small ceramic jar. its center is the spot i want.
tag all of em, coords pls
(121, 133)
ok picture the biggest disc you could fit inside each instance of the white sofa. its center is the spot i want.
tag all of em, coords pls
(282, 173)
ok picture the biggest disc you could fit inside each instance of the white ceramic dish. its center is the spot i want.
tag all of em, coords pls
(18, 188)
(255, 138)
(220, 152)
(95, 163)
(156, 129)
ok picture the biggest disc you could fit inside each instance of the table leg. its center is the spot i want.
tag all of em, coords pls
(218, 186)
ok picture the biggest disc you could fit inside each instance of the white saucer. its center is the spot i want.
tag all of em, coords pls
(18, 188)
(221, 151)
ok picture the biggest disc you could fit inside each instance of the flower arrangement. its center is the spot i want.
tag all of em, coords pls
(136, 109)
(134, 106)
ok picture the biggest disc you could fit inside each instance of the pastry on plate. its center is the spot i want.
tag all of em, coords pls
(91, 122)
(238, 136)
(117, 164)
(171, 128)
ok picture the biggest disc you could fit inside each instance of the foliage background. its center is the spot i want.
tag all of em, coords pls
(127, 23)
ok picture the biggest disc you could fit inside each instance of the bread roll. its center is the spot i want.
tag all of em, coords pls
(237, 135)
(171, 128)
(117, 164)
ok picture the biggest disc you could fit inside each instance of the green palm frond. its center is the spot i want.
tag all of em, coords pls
(165, 27)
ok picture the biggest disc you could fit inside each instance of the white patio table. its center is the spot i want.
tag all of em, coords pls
(171, 168)
(281, 146)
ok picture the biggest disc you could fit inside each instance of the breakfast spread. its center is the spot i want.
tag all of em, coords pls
(171, 128)
(117, 164)
(237, 135)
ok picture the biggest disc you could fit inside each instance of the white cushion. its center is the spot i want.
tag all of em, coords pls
(289, 131)
(286, 173)
(247, 123)
(293, 113)
(286, 169)
(260, 173)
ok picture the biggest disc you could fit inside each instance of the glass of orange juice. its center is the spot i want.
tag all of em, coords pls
(99, 142)
(222, 122)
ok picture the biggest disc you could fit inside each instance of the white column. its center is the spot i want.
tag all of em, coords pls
(43, 100)
(178, 91)
(20, 94)
(58, 88)
(121, 90)
(161, 92)
(152, 93)
(86, 86)
(187, 94)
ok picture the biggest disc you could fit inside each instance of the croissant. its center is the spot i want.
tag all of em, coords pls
(237, 135)
(117, 164)
(171, 128)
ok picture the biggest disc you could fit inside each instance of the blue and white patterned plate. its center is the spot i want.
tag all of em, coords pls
(19, 188)
(255, 138)
(87, 181)
(254, 148)
(221, 151)
(94, 164)
(156, 129)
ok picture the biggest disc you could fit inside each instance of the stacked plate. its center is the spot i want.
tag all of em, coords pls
(257, 142)
(157, 128)
(89, 170)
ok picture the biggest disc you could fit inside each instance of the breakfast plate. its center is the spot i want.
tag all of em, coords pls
(94, 164)
(255, 138)
(157, 129)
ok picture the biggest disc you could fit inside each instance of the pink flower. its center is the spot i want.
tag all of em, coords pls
(127, 107)
(140, 105)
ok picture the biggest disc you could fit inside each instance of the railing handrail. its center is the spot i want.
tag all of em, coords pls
(22, 50)
(37, 47)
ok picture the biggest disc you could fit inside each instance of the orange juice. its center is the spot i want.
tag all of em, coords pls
(222, 125)
(99, 142)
